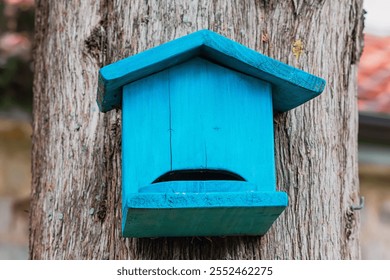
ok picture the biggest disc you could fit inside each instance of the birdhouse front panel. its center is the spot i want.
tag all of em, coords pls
(198, 116)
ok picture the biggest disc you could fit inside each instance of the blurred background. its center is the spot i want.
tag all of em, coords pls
(374, 131)
(16, 35)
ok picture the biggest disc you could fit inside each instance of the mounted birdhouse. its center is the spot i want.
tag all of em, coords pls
(197, 135)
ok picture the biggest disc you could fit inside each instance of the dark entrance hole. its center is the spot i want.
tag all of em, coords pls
(198, 175)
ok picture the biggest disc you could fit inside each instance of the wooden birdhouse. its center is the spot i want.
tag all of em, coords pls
(197, 135)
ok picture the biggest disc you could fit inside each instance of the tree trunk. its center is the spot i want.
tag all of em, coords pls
(76, 192)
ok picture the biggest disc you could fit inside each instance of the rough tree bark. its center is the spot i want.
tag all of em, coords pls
(76, 192)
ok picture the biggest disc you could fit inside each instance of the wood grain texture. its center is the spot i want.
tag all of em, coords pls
(76, 193)
(146, 132)
(291, 86)
(221, 120)
(205, 208)
(198, 116)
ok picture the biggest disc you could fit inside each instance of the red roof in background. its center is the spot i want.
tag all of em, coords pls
(374, 75)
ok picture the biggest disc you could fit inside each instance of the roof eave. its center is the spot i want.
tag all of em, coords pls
(291, 86)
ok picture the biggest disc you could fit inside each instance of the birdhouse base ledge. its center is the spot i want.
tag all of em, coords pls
(208, 212)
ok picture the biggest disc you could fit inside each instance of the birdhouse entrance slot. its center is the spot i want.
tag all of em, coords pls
(199, 175)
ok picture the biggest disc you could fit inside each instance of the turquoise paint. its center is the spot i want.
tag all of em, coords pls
(291, 86)
(203, 103)
(220, 119)
(145, 132)
(202, 208)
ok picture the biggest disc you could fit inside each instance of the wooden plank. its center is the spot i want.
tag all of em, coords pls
(291, 86)
(203, 213)
(219, 221)
(145, 132)
(199, 187)
(221, 119)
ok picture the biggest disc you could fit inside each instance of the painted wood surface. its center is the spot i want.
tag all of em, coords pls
(197, 115)
(221, 119)
(291, 86)
(146, 144)
(239, 210)
(211, 186)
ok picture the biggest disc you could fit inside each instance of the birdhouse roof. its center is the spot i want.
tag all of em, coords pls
(290, 86)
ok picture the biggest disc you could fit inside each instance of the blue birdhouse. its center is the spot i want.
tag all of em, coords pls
(197, 135)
